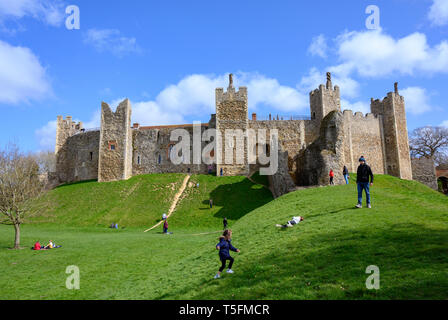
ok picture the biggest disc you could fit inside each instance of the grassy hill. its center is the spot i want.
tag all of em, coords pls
(325, 257)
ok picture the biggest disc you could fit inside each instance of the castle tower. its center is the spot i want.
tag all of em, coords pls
(115, 151)
(232, 114)
(392, 114)
(324, 100)
(64, 130)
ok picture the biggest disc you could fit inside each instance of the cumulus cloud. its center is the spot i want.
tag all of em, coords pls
(50, 12)
(438, 13)
(22, 77)
(358, 106)
(349, 87)
(445, 123)
(318, 46)
(377, 54)
(193, 97)
(46, 136)
(111, 40)
(416, 100)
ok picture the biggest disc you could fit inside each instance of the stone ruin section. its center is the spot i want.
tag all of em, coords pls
(424, 171)
(115, 147)
(392, 116)
(363, 135)
(232, 114)
(152, 146)
(381, 137)
(76, 152)
(308, 148)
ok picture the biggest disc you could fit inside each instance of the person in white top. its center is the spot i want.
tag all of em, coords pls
(291, 223)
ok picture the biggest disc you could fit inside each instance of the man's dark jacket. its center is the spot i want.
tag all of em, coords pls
(363, 174)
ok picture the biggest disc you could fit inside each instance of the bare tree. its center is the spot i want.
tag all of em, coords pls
(430, 142)
(46, 161)
(19, 184)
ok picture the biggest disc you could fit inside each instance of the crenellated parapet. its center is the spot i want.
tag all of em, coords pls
(324, 100)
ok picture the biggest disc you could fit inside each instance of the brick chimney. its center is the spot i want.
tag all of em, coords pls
(254, 117)
(136, 126)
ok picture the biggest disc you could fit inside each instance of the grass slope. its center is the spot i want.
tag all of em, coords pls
(405, 235)
(139, 201)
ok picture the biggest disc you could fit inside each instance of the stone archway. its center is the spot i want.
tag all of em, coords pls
(442, 179)
(443, 184)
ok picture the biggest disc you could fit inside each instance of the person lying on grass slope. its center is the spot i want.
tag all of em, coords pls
(291, 223)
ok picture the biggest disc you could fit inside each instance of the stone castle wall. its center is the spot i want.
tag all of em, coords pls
(82, 156)
(362, 137)
(232, 114)
(424, 171)
(115, 146)
(151, 152)
(308, 148)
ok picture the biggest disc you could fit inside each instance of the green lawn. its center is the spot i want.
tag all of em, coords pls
(325, 257)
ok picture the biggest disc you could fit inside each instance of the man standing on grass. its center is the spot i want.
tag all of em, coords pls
(364, 180)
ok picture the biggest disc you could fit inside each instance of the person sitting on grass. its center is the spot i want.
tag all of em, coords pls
(50, 245)
(224, 246)
(291, 223)
(37, 246)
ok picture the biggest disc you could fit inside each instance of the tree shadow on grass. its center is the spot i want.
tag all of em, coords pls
(238, 199)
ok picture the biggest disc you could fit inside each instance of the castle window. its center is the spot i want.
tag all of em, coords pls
(112, 145)
(138, 159)
(313, 116)
(160, 159)
(91, 156)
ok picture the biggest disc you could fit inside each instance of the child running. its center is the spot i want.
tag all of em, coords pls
(224, 246)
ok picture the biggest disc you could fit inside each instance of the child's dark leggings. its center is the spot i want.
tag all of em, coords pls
(223, 263)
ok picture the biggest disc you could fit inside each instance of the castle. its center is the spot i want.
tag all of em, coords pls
(308, 148)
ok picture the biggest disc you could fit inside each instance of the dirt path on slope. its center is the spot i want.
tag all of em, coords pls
(175, 200)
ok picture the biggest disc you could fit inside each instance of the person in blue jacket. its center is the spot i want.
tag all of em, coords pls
(224, 246)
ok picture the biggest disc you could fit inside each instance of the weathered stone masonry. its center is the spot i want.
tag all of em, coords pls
(308, 149)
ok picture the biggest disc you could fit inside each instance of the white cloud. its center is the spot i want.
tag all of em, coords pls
(194, 96)
(22, 77)
(444, 123)
(111, 40)
(348, 87)
(50, 12)
(46, 136)
(416, 100)
(438, 13)
(358, 106)
(318, 46)
(376, 54)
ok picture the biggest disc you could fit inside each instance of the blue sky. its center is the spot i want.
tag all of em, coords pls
(168, 56)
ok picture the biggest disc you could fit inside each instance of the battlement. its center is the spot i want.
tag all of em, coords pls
(231, 94)
(348, 114)
(68, 123)
(325, 89)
